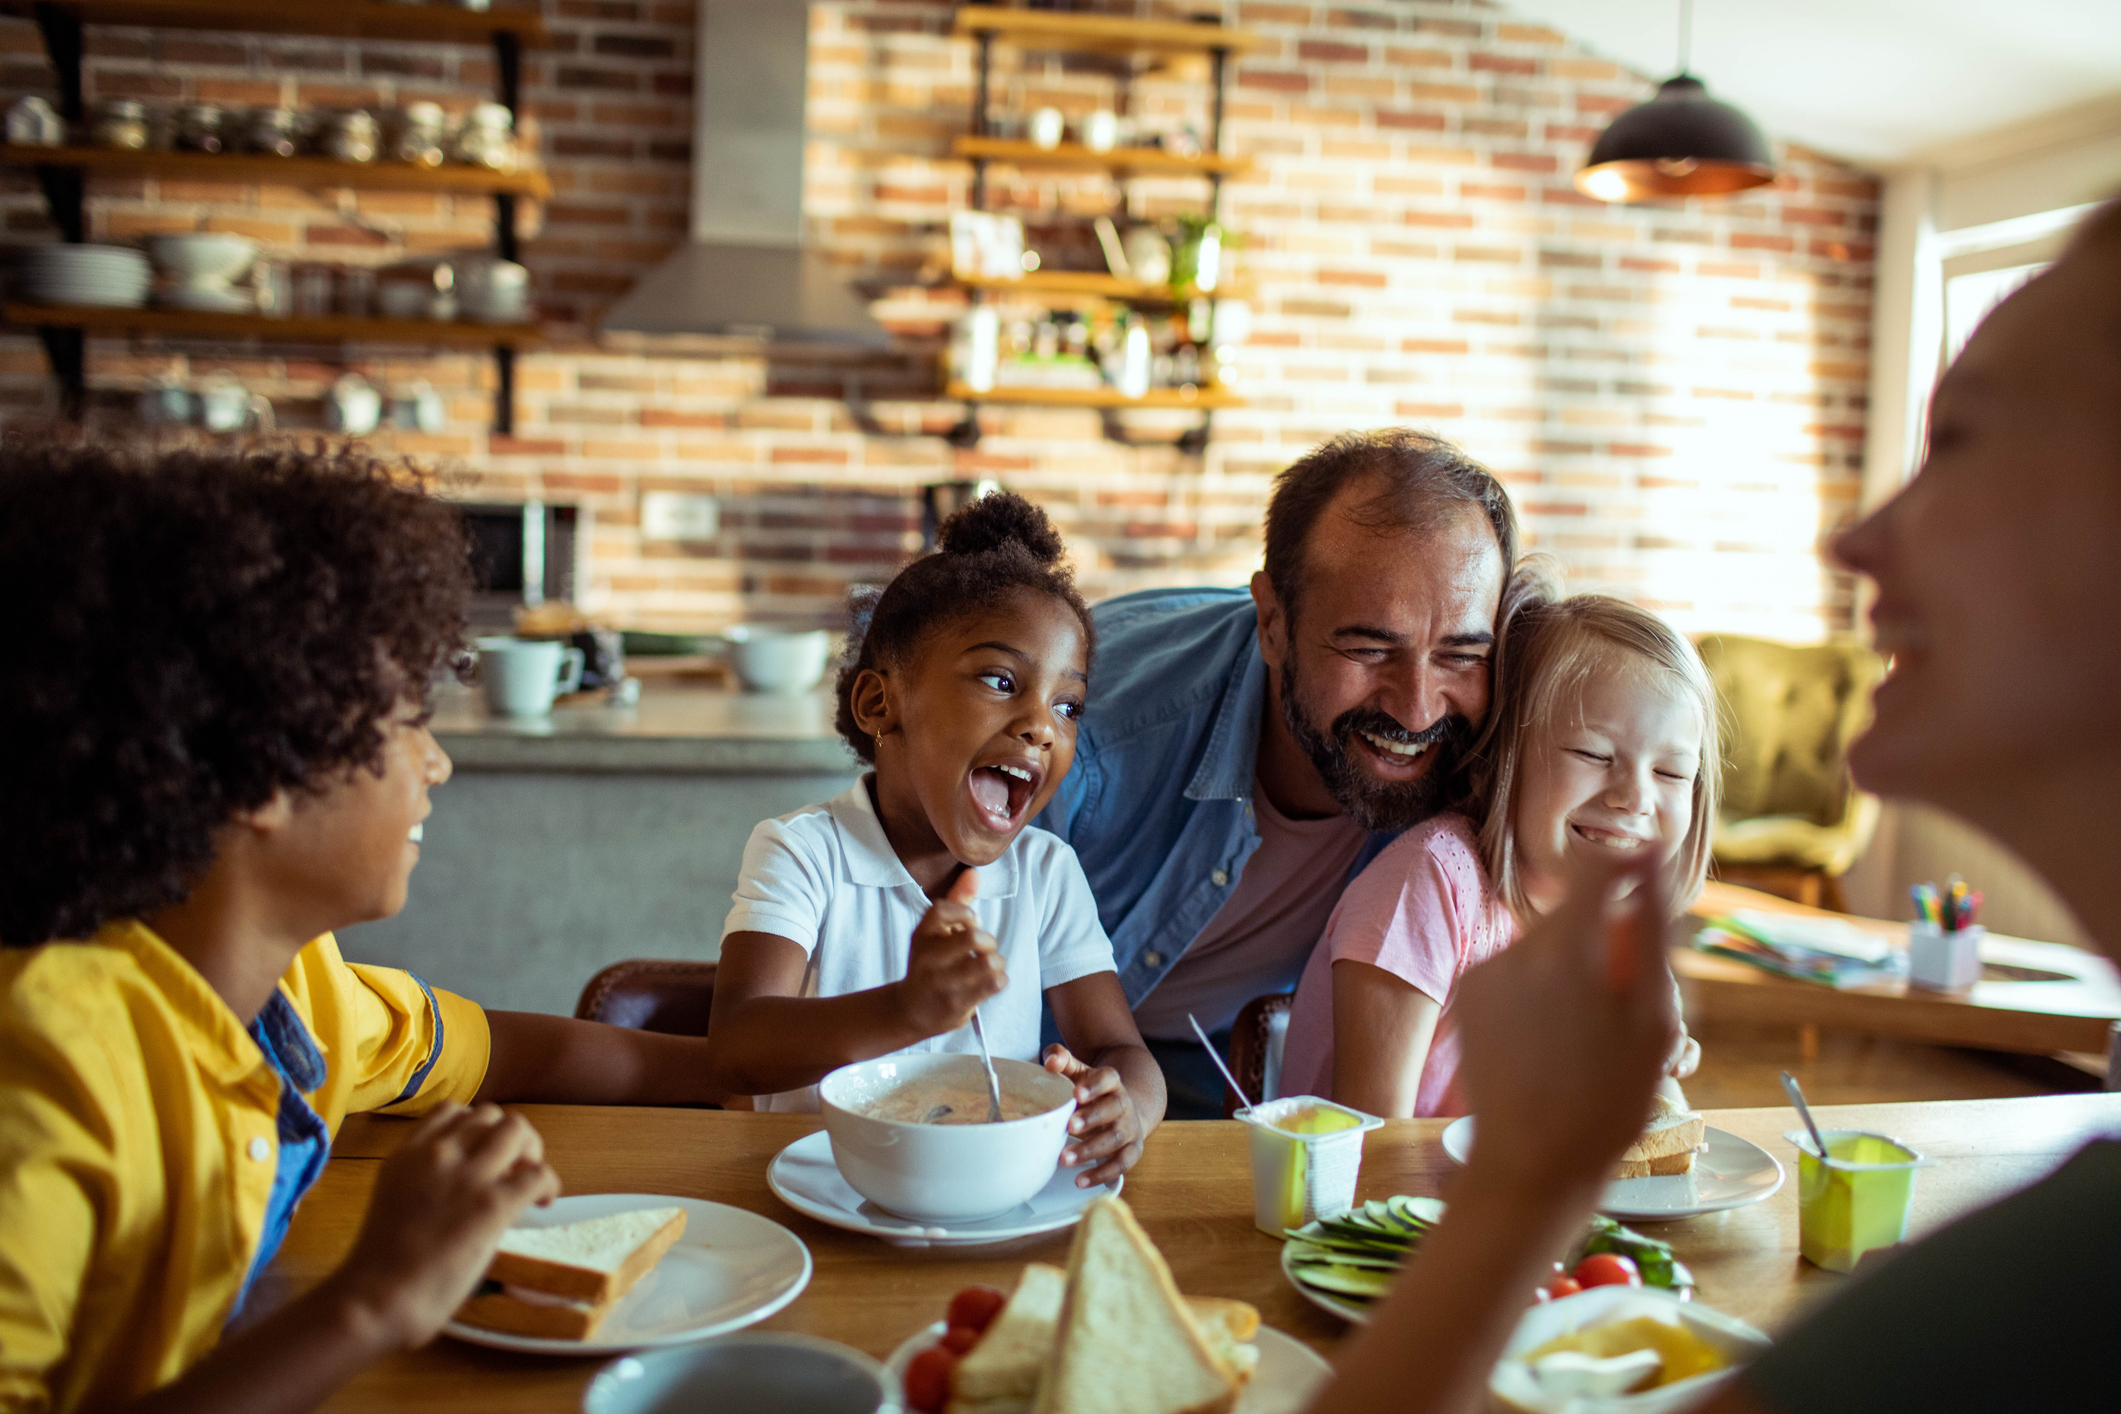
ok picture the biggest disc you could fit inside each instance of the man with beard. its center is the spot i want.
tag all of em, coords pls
(1245, 754)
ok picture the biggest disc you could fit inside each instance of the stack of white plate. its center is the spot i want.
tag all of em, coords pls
(108, 276)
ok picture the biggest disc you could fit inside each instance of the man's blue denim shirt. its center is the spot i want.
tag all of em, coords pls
(1158, 805)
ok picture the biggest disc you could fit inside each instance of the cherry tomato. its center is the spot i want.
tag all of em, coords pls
(1559, 1287)
(928, 1379)
(959, 1339)
(976, 1306)
(1608, 1269)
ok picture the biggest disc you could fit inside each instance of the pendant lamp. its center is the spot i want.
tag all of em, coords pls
(1680, 143)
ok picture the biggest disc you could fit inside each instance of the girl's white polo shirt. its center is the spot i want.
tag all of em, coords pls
(827, 878)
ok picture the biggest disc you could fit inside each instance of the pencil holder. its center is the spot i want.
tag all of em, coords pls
(1941, 961)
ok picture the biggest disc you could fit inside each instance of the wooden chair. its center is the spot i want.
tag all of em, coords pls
(651, 994)
(1248, 1046)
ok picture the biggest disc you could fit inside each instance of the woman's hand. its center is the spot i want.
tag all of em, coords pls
(1566, 1033)
(1106, 1128)
(440, 1206)
(953, 964)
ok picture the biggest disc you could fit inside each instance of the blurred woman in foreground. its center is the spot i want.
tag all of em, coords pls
(1998, 577)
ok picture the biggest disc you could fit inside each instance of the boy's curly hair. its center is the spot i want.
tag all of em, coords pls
(193, 631)
(996, 546)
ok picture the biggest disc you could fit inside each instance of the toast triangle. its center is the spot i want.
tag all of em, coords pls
(1127, 1343)
(596, 1261)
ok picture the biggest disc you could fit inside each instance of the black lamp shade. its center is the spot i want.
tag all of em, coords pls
(1680, 143)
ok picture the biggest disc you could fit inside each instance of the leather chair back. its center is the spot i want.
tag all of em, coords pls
(651, 994)
(1248, 1046)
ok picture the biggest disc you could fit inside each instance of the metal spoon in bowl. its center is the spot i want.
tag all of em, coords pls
(986, 1058)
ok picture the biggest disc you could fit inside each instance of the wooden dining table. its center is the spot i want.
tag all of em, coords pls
(1192, 1192)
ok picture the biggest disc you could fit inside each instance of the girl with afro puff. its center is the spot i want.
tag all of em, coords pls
(875, 923)
(214, 709)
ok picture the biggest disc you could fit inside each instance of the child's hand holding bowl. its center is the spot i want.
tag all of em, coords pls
(1105, 1126)
(953, 964)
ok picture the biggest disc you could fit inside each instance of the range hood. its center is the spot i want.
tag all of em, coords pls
(745, 273)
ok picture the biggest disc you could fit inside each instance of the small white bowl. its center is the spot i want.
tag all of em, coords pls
(758, 1371)
(205, 255)
(945, 1173)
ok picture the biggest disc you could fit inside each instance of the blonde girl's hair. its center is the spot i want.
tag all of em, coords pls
(1548, 652)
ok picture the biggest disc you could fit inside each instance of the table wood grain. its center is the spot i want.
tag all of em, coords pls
(2039, 1017)
(1192, 1191)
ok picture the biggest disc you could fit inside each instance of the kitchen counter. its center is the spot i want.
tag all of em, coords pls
(673, 730)
(567, 842)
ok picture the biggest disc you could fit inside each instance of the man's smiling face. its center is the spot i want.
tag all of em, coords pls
(1382, 673)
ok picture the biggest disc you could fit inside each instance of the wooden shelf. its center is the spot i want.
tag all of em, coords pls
(319, 329)
(1205, 397)
(360, 19)
(1098, 283)
(251, 168)
(1074, 154)
(1099, 34)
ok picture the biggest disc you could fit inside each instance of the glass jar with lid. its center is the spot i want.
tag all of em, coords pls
(488, 138)
(418, 135)
(350, 136)
(119, 123)
(199, 128)
(271, 132)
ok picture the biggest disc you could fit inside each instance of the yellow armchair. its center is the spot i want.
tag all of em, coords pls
(1792, 820)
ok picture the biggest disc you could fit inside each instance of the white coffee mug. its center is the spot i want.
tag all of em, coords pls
(522, 675)
(1048, 126)
(1101, 130)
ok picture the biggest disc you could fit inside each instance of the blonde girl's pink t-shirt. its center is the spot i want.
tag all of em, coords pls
(1423, 911)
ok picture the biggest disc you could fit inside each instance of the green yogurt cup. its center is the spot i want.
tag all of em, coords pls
(1854, 1199)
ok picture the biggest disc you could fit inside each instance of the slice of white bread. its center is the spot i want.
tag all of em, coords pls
(562, 1281)
(1000, 1374)
(1667, 1144)
(1228, 1326)
(1005, 1365)
(1127, 1344)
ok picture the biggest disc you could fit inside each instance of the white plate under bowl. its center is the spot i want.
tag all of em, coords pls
(1731, 1173)
(731, 1268)
(804, 1177)
(1288, 1374)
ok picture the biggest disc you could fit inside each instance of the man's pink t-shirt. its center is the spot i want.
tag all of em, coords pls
(1423, 911)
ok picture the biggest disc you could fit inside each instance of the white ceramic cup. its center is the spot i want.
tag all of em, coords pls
(1047, 127)
(777, 659)
(522, 675)
(1101, 130)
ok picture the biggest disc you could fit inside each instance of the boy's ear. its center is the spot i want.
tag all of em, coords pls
(270, 818)
(873, 704)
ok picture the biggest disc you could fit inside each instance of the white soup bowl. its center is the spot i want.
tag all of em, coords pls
(945, 1173)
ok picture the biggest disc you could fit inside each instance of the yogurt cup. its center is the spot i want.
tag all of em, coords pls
(1854, 1199)
(1306, 1154)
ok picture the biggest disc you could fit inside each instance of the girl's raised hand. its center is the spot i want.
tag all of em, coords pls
(1106, 1129)
(953, 964)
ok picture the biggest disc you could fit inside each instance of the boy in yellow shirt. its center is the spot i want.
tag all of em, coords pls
(213, 752)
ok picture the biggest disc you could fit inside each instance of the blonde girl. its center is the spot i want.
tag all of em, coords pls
(1603, 741)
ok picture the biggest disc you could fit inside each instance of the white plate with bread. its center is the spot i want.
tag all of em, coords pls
(1113, 1335)
(1680, 1167)
(605, 1273)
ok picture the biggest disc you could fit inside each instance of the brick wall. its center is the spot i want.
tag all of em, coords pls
(1675, 394)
